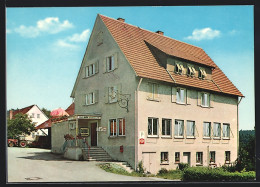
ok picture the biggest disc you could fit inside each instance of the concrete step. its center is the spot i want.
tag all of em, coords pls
(96, 154)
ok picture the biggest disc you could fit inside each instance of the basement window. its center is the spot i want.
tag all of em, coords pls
(164, 158)
(177, 157)
(199, 158)
(227, 157)
(212, 155)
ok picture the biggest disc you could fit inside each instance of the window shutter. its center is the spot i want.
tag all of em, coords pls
(115, 60)
(86, 99)
(199, 99)
(96, 67)
(105, 65)
(174, 94)
(96, 96)
(211, 104)
(188, 100)
(106, 95)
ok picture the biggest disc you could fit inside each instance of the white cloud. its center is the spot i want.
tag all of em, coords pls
(203, 34)
(8, 31)
(70, 41)
(80, 37)
(50, 25)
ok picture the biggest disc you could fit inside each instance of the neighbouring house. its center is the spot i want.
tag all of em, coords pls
(36, 115)
(142, 96)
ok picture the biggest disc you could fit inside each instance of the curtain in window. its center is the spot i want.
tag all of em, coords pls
(226, 130)
(178, 130)
(190, 128)
(149, 126)
(121, 126)
(206, 129)
(154, 126)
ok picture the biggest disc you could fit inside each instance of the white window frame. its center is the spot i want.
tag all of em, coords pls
(190, 70)
(165, 123)
(90, 97)
(202, 73)
(154, 94)
(153, 134)
(177, 128)
(89, 73)
(179, 67)
(229, 160)
(110, 63)
(199, 161)
(193, 129)
(205, 102)
(181, 99)
(164, 157)
(206, 133)
(123, 126)
(216, 130)
(114, 121)
(226, 135)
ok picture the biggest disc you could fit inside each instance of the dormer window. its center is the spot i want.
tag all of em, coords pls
(178, 68)
(202, 73)
(190, 71)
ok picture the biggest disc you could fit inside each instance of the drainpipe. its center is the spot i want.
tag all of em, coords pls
(136, 122)
(238, 126)
(77, 126)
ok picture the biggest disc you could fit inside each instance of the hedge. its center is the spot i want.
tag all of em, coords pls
(215, 174)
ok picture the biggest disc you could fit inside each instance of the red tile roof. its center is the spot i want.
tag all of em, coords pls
(45, 124)
(22, 110)
(70, 110)
(133, 41)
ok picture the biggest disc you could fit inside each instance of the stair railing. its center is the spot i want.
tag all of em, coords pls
(86, 142)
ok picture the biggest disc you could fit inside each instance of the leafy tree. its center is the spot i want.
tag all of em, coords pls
(21, 124)
(47, 112)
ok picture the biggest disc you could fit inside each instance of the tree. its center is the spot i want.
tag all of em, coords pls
(21, 124)
(47, 112)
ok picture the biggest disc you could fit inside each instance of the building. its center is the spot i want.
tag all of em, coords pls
(143, 96)
(36, 115)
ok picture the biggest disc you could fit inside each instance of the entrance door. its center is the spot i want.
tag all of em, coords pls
(93, 134)
(149, 162)
(186, 157)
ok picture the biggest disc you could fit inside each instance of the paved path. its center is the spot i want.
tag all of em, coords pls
(40, 165)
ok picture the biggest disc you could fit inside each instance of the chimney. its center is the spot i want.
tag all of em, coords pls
(11, 114)
(121, 19)
(159, 32)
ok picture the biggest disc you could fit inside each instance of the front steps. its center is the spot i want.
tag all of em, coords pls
(96, 154)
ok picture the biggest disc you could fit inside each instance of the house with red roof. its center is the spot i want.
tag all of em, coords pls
(145, 97)
(36, 115)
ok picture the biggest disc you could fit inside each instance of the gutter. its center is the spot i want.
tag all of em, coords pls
(136, 122)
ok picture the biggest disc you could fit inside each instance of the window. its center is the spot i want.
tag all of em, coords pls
(153, 91)
(90, 70)
(226, 130)
(190, 129)
(178, 68)
(112, 94)
(199, 158)
(38, 115)
(166, 127)
(113, 129)
(190, 70)
(32, 115)
(90, 98)
(164, 158)
(227, 156)
(216, 130)
(178, 128)
(212, 157)
(206, 129)
(121, 127)
(177, 157)
(110, 63)
(180, 95)
(202, 73)
(153, 126)
(205, 99)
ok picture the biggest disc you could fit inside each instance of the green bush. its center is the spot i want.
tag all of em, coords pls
(215, 174)
(163, 171)
(183, 166)
(140, 168)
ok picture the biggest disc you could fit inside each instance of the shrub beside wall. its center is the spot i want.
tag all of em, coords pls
(215, 174)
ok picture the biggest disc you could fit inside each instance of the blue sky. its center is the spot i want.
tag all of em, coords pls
(45, 47)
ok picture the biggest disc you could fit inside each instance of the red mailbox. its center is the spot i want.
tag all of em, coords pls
(121, 149)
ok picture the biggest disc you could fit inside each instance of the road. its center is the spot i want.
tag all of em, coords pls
(40, 165)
